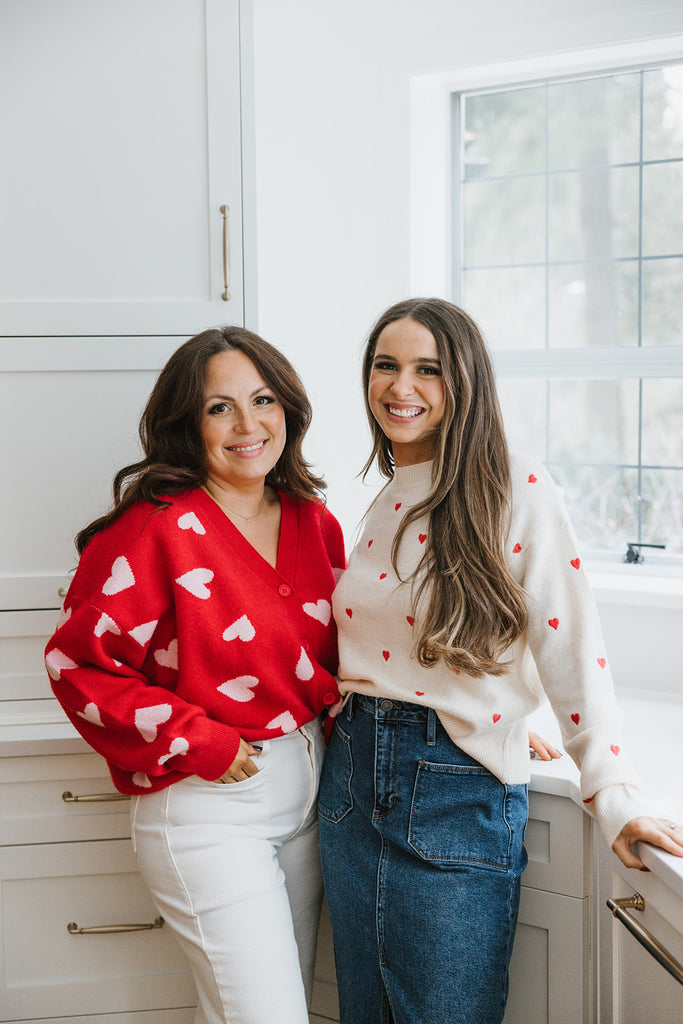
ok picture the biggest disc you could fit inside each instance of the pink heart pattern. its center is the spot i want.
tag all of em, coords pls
(241, 629)
(121, 577)
(321, 610)
(148, 720)
(240, 689)
(168, 657)
(189, 521)
(195, 582)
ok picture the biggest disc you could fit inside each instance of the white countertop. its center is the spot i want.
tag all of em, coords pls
(653, 729)
(652, 733)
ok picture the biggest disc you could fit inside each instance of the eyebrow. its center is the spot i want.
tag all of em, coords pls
(420, 359)
(229, 398)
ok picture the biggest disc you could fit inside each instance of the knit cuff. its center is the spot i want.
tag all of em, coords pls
(216, 753)
(614, 807)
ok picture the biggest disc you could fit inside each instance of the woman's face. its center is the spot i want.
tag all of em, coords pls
(406, 391)
(243, 422)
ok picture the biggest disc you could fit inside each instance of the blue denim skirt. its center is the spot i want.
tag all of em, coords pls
(422, 852)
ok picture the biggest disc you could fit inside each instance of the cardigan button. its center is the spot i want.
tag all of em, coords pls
(329, 698)
(284, 590)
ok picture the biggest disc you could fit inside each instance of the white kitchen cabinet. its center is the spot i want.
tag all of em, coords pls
(634, 987)
(123, 137)
(552, 967)
(66, 859)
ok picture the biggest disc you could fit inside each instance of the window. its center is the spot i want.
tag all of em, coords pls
(566, 246)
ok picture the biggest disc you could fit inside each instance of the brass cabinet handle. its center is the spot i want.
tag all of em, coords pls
(92, 798)
(113, 929)
(644, 937)
(225, 210)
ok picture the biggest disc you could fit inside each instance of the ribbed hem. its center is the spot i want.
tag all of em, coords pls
(419, 474)
(615, 806)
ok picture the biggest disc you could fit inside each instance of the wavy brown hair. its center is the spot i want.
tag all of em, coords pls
(175, 458)
(469, 609)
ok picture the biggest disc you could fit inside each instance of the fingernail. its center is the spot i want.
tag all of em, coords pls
(643, 869)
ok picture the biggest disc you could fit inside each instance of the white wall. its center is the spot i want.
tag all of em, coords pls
(332, 154)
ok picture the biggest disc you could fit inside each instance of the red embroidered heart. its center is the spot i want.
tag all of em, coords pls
(554, 623)
(576, 562)
(576, 719)
(349, 612)
(517, 548)
(496, 718)
(386, 655)
(588, 800)
(602, 662)
(397, 505)
(419, 693)
(615, 750)
(382, 575)
(369, 543)
(410, 620)
(533, 479)
(423, 538)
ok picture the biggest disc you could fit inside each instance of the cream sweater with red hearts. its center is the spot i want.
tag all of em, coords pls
(561, 653)
(177, 638)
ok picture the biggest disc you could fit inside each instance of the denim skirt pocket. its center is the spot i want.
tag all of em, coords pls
(460, 816)
(335, 798)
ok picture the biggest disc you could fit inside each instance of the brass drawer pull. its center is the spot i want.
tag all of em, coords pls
(113, 929)
(644, 937)
(93, 798)
(225, 210)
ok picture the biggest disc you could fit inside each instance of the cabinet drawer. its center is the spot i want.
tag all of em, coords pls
(23, 636)
(47, 972)
(185, 1015)
(33, 808)
(557, 841)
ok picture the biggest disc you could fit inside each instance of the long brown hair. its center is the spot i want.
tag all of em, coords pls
(469, 609)
(175, 459)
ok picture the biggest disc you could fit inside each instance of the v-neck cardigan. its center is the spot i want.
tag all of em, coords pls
(177, 637)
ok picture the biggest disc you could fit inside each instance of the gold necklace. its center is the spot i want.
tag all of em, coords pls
(234, 511)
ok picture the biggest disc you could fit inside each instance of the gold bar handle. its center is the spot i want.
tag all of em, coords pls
(114, 929)
(225, 210)
(644, 937)
(93, 798)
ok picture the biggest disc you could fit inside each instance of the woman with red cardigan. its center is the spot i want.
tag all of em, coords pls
(196, 651)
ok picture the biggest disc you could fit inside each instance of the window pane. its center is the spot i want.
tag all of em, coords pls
(593, 421)
(523, 403)
(663, 113)
(602, 504)
(663, 422)
(504, 133)
(594, 214)
(663, 209)
(508, 304)
(596, 121)
(663, 302)
(662, 509)
(504, 221)
(593, 304)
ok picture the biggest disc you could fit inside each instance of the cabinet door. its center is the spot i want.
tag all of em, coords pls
(69, 411)
(45, 971)
(122, 139)
(548, 972)
(641, 989)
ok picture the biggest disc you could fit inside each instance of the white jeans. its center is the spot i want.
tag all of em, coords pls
(234, 869)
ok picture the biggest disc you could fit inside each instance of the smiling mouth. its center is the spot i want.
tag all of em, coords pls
(407, 413)
(244, 449)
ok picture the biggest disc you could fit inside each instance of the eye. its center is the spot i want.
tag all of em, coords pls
(265, 400)
(218, 409)
(430, 371)
(384, 364)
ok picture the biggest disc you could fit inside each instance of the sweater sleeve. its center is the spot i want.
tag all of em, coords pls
(95, 668)
(565, 639)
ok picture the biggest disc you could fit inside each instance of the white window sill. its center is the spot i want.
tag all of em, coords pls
(636, 585)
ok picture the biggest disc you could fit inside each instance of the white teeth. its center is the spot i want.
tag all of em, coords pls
(405, 414)
(247, 447)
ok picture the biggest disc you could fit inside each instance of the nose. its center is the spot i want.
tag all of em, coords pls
(245, 422)
(402, 385)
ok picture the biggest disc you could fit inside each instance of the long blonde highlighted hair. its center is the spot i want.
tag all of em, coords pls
(469, 609)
